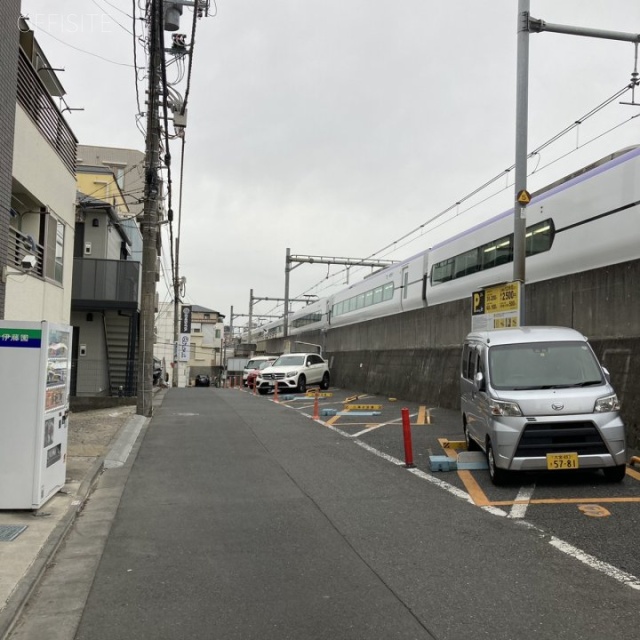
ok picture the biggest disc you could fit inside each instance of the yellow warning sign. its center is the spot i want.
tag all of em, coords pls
(524, 197)
(363, 407)
(320, 394)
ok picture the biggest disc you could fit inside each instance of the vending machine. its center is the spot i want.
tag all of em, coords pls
(35, 372)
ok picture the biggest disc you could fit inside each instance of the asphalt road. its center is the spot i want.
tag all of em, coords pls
(244, 519)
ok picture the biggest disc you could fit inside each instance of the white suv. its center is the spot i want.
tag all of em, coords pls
(294, 371)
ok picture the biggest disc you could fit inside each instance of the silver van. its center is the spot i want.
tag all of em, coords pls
(536, 398)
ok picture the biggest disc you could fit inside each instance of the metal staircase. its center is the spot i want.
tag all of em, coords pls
(120, 335)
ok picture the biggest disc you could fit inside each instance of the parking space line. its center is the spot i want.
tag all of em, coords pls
(633, 473)
(522, 501)
(332, 420)
(377, 426)
(473, 489)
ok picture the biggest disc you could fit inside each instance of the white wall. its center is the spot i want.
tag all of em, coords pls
(39, 169)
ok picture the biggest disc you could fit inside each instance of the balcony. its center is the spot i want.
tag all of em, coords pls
(36, 101)
(105, 284)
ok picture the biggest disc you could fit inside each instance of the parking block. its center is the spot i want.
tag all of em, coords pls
(472, 460)
(328, 412)
(442, 463)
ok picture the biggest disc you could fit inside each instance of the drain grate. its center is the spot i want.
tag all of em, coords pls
(9, 532)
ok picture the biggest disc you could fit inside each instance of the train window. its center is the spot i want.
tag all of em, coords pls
(360, 301)
(466, 263)
(442, 272)
(387, 291)
(377, 295)
(405, 283)
(540, 237)
(368, 298)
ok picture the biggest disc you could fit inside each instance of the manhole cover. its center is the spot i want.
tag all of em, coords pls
(9, 532)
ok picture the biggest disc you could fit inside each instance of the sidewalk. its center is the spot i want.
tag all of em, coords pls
(23, 560)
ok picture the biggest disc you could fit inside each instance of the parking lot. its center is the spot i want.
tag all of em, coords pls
(596, 521)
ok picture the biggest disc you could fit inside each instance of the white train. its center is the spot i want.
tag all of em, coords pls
(586, 220)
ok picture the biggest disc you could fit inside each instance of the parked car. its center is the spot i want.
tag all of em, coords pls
(293, 372)
(536, 398)
(202, 380)
(253, 364)
(253, 374)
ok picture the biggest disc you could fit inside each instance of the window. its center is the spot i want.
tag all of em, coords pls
(539, 238)
(217, 334)
(53, 248)
(387, 293)
(405, 283)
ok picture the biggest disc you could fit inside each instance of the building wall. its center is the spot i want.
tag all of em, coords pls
(28, 297)
(9, 13)
(92, 374)
(130, 161)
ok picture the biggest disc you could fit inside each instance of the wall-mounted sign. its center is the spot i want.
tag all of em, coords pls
(496, 307)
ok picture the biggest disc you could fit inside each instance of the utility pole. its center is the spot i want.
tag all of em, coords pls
(150, 218)
(527, 25)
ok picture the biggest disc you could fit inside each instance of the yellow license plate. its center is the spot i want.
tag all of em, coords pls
(556, 461)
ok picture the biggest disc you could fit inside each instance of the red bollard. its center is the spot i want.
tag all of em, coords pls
(316, 408)
(275, 393)
(406, 434)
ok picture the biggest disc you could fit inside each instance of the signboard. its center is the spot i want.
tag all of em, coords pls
(363, 407)
(185, 319)
(496, 307)
(183, 347)
(320, 394)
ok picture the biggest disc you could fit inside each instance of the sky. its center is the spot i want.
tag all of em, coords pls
(336, 128)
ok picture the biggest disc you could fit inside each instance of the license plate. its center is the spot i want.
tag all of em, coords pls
(556, 461)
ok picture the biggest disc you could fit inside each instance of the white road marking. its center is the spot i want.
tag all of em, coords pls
(599, 565)
(519, 510)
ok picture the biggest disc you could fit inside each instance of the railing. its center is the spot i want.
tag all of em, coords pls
(20, 246)
(34, 98)
(105, 284)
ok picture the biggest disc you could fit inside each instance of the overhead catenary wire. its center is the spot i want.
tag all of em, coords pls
(399, 242)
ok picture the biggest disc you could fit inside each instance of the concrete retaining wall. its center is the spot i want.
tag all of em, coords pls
(415, 355)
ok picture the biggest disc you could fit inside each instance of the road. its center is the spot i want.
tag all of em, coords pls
(241, 518)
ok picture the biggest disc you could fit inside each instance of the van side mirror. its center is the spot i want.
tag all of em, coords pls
(478, 381)
(607, 375)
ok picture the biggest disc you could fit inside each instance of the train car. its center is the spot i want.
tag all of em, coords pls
(585, 221)
(399, 287)
(309, 318)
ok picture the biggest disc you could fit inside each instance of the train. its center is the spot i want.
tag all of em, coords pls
(586, 220)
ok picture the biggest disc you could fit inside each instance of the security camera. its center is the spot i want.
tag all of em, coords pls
(29, 262)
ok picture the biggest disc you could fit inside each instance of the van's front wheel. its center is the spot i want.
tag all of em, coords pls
(498, 476)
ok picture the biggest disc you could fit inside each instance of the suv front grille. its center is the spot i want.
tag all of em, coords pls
(273, 376)
(558, 437)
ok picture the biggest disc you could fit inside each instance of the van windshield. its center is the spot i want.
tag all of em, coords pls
(543, 365)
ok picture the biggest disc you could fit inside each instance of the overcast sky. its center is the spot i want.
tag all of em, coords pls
(335, 127)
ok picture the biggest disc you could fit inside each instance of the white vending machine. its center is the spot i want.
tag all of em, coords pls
(35, 372)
